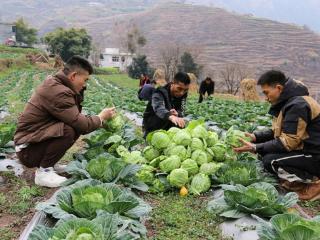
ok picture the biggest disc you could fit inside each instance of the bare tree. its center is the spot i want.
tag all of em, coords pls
(95, 53)
(232, 75)
(129, 37)
(169, 56)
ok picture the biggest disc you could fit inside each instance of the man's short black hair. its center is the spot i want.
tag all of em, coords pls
(77, 62)
(272, 78)
(182, 77)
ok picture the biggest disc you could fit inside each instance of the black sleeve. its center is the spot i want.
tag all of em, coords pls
(264, 135)
(158, 106)
(272, 146)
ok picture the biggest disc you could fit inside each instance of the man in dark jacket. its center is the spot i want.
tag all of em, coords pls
(166, 108)
(52, 121)
(206, 86)
(291, 149)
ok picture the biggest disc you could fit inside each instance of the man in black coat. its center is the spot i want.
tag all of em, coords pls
(166, 108)
(291, 148)
(206, 86)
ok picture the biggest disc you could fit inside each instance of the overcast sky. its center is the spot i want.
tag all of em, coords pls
(301, 12)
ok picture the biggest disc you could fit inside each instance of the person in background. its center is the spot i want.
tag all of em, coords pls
(206, 86)
(52, 121)
(291, 148)
(144, 79)
(167, 105)
(145, 93)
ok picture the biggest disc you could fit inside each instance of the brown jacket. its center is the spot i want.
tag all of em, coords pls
(53, 104)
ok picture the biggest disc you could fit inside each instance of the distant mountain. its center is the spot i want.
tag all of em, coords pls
(305, 12)
(223, 37)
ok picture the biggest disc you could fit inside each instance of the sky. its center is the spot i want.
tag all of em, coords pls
(301, 12)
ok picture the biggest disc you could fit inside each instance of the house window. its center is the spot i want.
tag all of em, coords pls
(115, 59)
(123, 59)
(14, 29)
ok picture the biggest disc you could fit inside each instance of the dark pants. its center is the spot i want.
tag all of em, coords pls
(293, 166)
(47, 153)
(202, 94)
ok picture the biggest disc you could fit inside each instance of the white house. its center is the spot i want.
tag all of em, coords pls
(112, 57)
(7, 33)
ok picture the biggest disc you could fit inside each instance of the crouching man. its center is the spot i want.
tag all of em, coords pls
(52, 121)
(291, 149)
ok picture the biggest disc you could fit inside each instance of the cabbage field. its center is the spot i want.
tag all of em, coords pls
(124, 187)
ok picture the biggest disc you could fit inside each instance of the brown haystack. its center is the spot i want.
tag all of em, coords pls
(58, 62)
(249, 90)
(194, 84)
(37, 58)
(158, 74)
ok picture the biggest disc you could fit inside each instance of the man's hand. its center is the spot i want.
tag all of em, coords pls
(107, 113)
(174, 112)
(246, 147)
(177, 121)
(251, 136)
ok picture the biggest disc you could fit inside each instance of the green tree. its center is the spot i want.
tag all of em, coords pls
(188, 64)
(69, 42)
(25, 34)
(139, 66)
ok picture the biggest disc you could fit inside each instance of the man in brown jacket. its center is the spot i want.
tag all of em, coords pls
(52, 121)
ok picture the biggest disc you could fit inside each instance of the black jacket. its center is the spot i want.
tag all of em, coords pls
(157, 113)
(204, 87)
(296, 123)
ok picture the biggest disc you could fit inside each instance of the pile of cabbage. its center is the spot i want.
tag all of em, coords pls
(186, 157)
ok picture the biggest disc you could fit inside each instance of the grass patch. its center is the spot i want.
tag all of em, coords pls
(176, 217)
(6, 234)
(20, 197)
(121, 80)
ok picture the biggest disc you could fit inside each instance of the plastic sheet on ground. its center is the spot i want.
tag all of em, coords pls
(11, 165)
(39, 218)
(240, 229)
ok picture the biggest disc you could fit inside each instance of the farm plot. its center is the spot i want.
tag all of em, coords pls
(118, 177)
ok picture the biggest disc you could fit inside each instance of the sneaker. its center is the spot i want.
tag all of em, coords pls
(310, 192)
(292, 186)
(60, 168)
(47, 177)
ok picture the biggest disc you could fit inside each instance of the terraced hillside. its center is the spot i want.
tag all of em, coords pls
(228, 38)
(223, 37)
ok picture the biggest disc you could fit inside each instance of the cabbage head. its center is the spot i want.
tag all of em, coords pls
(182, 137)
(178, 177)
(210, 168)
(219, 150)
(178, 150)
(134, 157)
(173, 131)
(170, 163)
(150, 153)
(191, 166)
(104, 227)
(146, 174)
(200, 157)
(212, 139)
(200, 183)
(233, 137)
(160, 139)
(196, 143)
(114, 124)
(199, 132)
